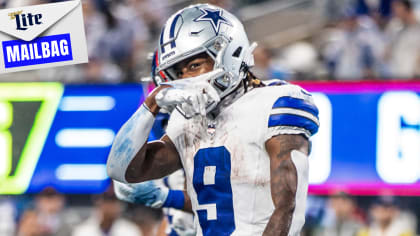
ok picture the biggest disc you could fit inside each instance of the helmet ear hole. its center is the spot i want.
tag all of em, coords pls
(237, 52)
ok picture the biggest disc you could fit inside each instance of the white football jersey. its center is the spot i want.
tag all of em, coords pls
(226, 164)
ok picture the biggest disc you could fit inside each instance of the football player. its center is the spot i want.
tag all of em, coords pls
(244, 150)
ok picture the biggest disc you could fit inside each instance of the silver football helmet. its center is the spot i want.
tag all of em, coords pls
(210, 29)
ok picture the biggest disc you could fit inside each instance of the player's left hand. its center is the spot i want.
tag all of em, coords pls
(145, 193)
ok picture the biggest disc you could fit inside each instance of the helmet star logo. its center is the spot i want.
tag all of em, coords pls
(214, 17)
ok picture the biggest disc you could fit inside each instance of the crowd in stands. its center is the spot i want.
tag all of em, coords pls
(344, 215)
(362, 39)
(374, 44)
(50, 213)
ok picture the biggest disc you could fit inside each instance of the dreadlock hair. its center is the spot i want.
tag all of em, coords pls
(250, 80)
(254, 81)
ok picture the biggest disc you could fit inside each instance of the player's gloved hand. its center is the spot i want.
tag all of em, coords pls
(145, 193)
(183, 223)
(193, 94)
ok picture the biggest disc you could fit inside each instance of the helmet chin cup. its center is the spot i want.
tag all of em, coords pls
(222, 83)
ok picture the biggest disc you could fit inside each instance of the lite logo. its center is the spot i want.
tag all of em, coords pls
(23, 21)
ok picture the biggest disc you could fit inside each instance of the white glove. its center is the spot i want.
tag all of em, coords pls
(146, 193)
(193, 94)
(183, 223)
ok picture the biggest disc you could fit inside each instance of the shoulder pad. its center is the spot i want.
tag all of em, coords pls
(274, 82)
(295, 108)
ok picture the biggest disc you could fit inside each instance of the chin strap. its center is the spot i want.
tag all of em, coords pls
(226, 101)
(247, 63)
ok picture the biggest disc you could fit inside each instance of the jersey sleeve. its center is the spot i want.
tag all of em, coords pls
(292, 112)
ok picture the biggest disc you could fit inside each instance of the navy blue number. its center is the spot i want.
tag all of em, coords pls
(219, 193)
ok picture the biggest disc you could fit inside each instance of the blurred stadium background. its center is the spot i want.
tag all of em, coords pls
(361, 59)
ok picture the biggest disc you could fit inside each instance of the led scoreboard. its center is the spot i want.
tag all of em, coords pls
(369, 139)
(55, 135)
(60, 135)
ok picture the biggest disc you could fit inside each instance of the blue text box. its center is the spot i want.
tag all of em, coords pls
(42, 50)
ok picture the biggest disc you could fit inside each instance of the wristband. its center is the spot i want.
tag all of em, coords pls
(175, 199)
